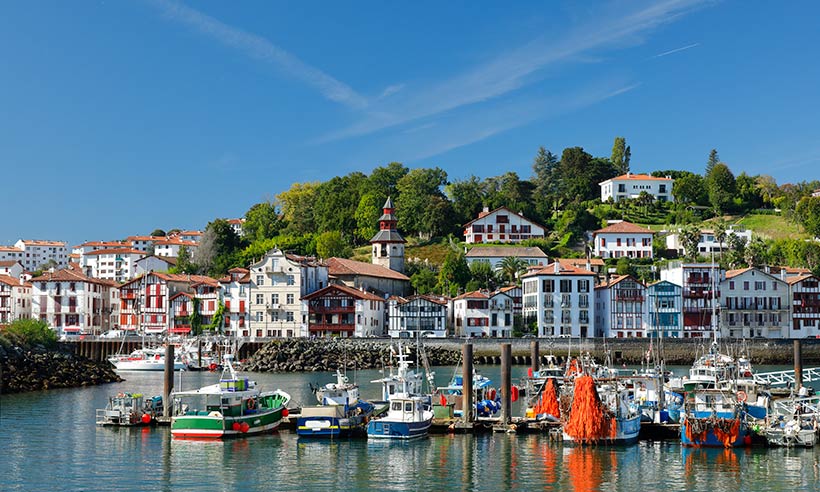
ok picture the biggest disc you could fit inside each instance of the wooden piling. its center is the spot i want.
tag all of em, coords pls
(467, 382)
(798, 364)
(535, 355)
(506, 382)
(169, 380)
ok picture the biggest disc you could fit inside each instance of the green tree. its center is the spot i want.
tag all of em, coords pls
(195, 318)
(547, 182)
(807, 214)
(689, 239)
(734, 256)
(454, 273)
(748, 192)
(509, 191)
(424, 280)
(184, 261)
(621, 153)
(512, 268)
(416, 189)
(712, 161)
(336, 202)
(580, 174)
(720, 232)
(31, 331)
(330, 244)
(624, 267)
(467, 197)
(383, 181)
(437, 218)
(218, 321)
(297, 206)
(158, 232)
(219, 249)
(755, 254)
(483, 275)
(367, 216)
(262, 221)
(720, 184)
(689, 188)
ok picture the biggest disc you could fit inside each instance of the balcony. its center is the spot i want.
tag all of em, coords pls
(332, 309)
(318, 327)
(128, 295)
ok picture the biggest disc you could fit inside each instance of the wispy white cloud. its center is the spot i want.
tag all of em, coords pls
(390, 90)
(261, 49)
(516, 68)
(676, 50)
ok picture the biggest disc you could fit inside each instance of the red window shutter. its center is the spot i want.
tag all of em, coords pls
(210, 305)
(241, 306)
(227, 306)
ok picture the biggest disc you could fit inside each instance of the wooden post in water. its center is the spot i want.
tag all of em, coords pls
(199, 352)
(467, 382)
(506, 382)
(535, 355)
(169, 380)
(798, 364)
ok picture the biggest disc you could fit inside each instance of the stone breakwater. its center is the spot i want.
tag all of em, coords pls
(329, 354)
(290, 355)
(36, 368)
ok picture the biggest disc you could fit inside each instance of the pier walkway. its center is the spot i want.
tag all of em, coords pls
(784, 378)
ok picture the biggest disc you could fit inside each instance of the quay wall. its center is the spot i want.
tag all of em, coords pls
(299, 354)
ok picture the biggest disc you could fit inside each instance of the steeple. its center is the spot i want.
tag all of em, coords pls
(388, 245)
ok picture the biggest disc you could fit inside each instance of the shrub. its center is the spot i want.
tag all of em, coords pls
(31, 332)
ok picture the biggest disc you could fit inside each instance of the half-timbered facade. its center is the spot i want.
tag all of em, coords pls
(501, 225)
(620, 307)
(235, 289)
(700, 293)
(15, 299)
(71, 303)
(664, 313)
(419, 315)
(804, 293)
(339, 310)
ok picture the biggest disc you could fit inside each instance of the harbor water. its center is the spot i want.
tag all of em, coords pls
(50, 442)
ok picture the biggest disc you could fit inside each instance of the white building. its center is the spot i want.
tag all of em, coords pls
(804, 299)
(236, 225)
(707, 243)
(143, 243)
(341, 311)
(15, 299)
(37, 253)
(170, 247)
(418, 315)
(630, 186)
(754, 304)
(152, 263)
(700, 291)
(11, 268)
(89, 246)
(11, 253)
(193, 236)
(119, 264)
(501, 225)
(483, 314)
(623, 239)
(620, 308)
(71, 303)
(235, 289)
(558, 298)
(278, 282)
(494, 255)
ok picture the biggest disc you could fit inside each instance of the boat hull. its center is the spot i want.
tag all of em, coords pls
(627, 433)
(708, 437)
(213, 426)
(387, 429)
(144, 365)
(330, 427)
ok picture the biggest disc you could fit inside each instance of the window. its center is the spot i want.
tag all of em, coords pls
(274, 298)
(260, 280)
(478, 227)
(290, 299)
(502, 219)
(291, 280)
(566, 285)
(289, 316)
(583, 286)
(731, 285)
(745, 285)
(259, 316)
(260, 298)
(548, 285)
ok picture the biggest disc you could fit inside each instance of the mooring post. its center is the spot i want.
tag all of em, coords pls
(169, 380)
(535, 355)
(199, 352)
(506, 382)
(798, 364)
(467, 382)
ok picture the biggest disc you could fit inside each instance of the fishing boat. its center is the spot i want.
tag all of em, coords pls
(714, 418)
(340, 413)
(129, 409)
(796, 423)
(601, 411)
(145, 359)
(408, 415)
(486, 399)
(232, 407)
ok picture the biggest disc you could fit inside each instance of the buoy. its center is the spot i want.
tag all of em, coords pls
(492, 394)
(146, 419)
(529, 372)
(244, 427)
(285, 412)
(236, 426)
(514, 395)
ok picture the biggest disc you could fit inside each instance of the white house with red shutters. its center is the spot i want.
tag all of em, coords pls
(170, 247)
(145, 301)
(341, 311)
(203, 298)
(501, 225)
(623, 239)
(15, 299)
(71, 303)
(483, 314)
(235, 288)
(630, 186)
(620, 308)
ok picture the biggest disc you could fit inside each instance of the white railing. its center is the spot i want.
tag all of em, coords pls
(782, 378)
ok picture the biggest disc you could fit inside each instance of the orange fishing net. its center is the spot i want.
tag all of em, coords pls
(727, 433)
(573, 368)
(549, 398)
(588, 421)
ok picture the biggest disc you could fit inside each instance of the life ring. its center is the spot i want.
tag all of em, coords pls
(741, 396)
(251, 404)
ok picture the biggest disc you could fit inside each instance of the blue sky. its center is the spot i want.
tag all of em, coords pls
(120, 117)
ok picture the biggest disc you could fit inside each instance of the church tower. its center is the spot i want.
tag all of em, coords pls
(388, 245)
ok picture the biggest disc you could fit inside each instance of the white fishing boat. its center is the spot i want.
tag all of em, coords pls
(130, 409)
(340, 413)
(409, 415)
(145, 359)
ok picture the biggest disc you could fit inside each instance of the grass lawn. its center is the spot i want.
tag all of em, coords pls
(772, 227)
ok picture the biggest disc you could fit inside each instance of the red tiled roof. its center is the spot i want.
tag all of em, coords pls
(175, 241)
(581, 262)
(641, 177)
(10, 249)
(476, 294)
(358, 294)
(144, 238)
(67, 275)
(562, 270)
(13, 282)
(177, 277)
(39, 242)
(800, 278)
(105, 244)
(505, 251)
(426, 297)
(9, 263)
(622, 227)
(739, 271)
(616, 279)
(340, 267)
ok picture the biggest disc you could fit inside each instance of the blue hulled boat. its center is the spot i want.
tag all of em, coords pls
(341, 412)
(714, 419)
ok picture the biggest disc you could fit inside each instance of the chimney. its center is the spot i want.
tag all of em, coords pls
(556, 268)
